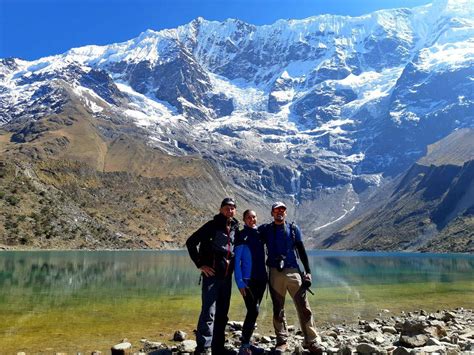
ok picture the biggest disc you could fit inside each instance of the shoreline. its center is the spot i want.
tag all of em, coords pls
(419, 332)
(323, 251)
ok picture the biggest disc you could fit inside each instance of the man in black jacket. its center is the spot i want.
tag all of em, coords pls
(211, 249)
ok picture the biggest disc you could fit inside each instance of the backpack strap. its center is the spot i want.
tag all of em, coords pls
(293, 236)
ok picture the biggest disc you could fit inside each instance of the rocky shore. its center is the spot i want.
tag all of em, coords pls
(441, 332)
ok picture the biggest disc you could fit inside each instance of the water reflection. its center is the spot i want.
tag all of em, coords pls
(104, 292)
(332, 268)
(59, 278)
(172, 272)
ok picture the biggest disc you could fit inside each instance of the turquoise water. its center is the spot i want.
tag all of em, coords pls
(98, 294)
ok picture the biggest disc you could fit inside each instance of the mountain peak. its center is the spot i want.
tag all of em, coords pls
(463, 8)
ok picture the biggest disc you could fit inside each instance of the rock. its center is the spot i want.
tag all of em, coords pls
(150, 345)
(331, 333)
(449, 316)
(371, 327)
(430, 349)
(401, 351)
(414, 341)
(345, 350)
(235, 325)
(332, 350)
(365, 348)
(379, 339)
(291, 328)
(469, 346)
(237, 334)
(411, 327)
(187, 346)
(266, 340)
(450, 346)
(179, 335)
(433, 341)
(436, 331)
(122, 348)
(412, 334)
(96, 352)
(437, 316)
(390, 330)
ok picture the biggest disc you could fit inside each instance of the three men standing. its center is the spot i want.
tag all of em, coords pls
(215, 259)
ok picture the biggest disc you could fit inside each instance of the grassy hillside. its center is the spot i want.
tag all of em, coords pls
(73, 181)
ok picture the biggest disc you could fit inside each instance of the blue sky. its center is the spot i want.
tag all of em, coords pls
(31, 29)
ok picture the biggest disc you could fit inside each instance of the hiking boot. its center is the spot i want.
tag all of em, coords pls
(256, 350)
(245, 349)
(281, 348)
(314, 348)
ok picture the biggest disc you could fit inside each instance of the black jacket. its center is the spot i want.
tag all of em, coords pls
(211, 245)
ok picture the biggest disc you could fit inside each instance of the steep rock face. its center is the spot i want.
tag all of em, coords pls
(179, 81)
(430, 209)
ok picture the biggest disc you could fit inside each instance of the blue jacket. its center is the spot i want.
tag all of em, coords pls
(249, 257)
(280, 243)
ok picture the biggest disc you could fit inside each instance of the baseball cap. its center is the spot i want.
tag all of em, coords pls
(228, 201)
(278, 204)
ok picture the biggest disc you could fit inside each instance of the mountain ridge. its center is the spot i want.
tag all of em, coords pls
(319, 112)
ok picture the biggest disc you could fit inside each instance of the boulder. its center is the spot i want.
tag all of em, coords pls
(379, 339)
(401, 351)
(123, 348)
(449, 316)
(414, 341)
(411, 327)
(179, 335)
(365, 348)
(151, 345)
(433, 341)
(431, 349)
(371, 327)
(187, 346)
(436, 331)
(390, 330)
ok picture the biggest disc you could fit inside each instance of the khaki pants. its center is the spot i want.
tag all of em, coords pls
(290, 280)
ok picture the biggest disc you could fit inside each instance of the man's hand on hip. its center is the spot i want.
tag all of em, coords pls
(207, 270)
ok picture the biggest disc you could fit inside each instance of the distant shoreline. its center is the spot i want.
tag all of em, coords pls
(387, 252)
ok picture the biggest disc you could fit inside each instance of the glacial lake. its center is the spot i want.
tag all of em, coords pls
(71, 301)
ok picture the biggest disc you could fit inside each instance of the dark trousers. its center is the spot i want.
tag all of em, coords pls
(252, 299)
(213, 318)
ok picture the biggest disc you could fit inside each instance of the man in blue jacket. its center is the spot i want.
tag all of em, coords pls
(215, 259)
(284, 242)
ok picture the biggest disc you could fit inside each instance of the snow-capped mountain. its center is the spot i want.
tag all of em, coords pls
(312, 111)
